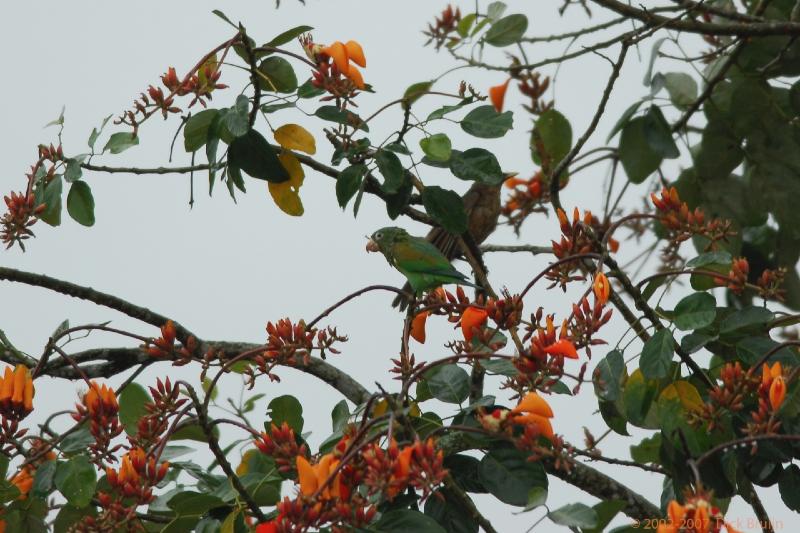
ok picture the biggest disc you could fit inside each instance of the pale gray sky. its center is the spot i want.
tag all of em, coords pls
(225, 269)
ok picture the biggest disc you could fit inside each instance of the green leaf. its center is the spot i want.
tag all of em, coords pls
(253, 154)
(448, 383)
(509, 476)
(193, 504)
(390, 167)
(415, 91)
(132, 403)
(405, 520)
(574, 515)
(76, 441)
(340, 415)
(331, 113)
(286, 409)
(97, 131)
(197, 128)
(465, 24)
(485, 122)
(606, 511)
(277, 75)
(80, 203)
(612, 417)
(624, 118)
(450, 512)
(308, 90)
(121, 141)
(637, 398)
(348, 183)
(52, 197)
(658, 134)
(657, 355)
(537, 497)
(464, 469)
(682, 89)
(437, 147)
(288, 35)
(503, 367)
(748, 319)
(495, 10)
(271, 108)
(648, 75)
(76, 480)
(696, 311)
(446, 208)
(507, 31)
(476, 164)
(444, 110)
(70, 515)
(647, 451)
(710, 258)
(74, 171)
(609, 375)
(237, 119)
(551, 139)
(637, 156)
(8, 491)
(426, 423)
(787, 484)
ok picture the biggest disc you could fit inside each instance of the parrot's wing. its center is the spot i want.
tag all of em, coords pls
(418, 255)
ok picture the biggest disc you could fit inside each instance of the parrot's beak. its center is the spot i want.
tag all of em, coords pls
(372, 246)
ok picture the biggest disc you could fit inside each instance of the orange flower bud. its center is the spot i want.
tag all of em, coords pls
(7, 386)
(675, 512)
(542, 423)
(562, 347)
(20, 373)
(24, 481)
(602, 289)
(418, 326)
(777, 392)
(355, 53)
(497, 95)
(472, 317)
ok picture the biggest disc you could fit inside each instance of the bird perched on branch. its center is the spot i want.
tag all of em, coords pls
(482, 205)
(417, 259)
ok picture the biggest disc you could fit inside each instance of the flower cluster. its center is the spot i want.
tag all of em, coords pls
(291, 344)
(280, 443)
(164, 346)
(336, 72)
(17, 221)
(16, 393)
(200, 83)
(166, 405)
(696, 515)
(578, 236)
(682, 223)
(340, 489)
(100, 407)
(439, 32)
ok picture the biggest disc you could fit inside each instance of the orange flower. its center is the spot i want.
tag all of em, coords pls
(562, 347)
(342, 55)
(602, 289)
(533, 410)
(16, 392)
(418, 326)
(472, 318)
(23, 481)
(497, 95)
(777, 392)
(312, 477)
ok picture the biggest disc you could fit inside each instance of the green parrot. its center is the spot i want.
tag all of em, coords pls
(417, 259)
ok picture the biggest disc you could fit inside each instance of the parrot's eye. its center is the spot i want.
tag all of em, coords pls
(378, 236)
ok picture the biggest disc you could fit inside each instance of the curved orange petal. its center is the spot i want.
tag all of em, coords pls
(355, 76)
(472, 317)
(497, 95)
(355, 53)
(418, 326)
(20, 373)
(562, 347)
(338, 53)
(533, 403)
(675, 512)
(306, 476)
(602, 289)
(7, 385)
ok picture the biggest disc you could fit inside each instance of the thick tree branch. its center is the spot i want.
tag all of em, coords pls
(740, 29)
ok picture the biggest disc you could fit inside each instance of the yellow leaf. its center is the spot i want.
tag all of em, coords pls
(287, 194)
(244, 466)
(211, 65)
(295, 137)
(684, 392)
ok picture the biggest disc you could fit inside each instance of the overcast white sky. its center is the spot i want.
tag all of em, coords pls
(224, 270)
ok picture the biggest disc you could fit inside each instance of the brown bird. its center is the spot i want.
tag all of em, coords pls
(482, 205)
